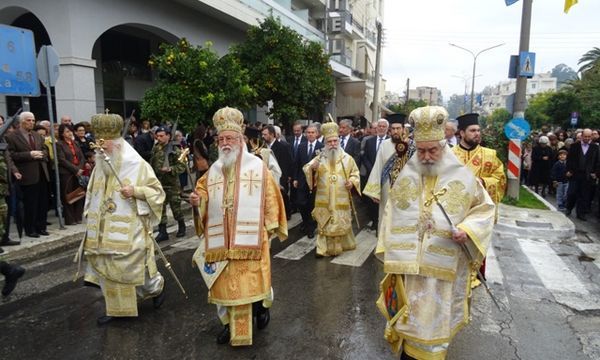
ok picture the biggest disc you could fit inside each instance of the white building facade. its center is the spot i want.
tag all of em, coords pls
(104, 45)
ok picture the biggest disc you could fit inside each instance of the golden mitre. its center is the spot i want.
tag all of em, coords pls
(429, 123)
(329, 129)
(107, 126)
(228, 119)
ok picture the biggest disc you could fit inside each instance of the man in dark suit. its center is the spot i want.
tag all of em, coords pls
(30, 155)
(583, 167)
(350, 145)
(368, 159)
(283, 154)
(296, 139)
(305, 199)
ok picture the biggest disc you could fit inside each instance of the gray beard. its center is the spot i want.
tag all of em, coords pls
(229, 159)
(429, 168)
(332, 155)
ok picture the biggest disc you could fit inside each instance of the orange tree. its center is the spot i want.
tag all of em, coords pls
(192, 82)
(292, 73)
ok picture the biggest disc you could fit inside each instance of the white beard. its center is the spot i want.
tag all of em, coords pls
(332, 155)
(429, 168)
(102, 165)
(229, 159)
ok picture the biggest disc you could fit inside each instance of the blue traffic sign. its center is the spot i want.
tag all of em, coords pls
(18, 72)
(526, 64)
(517, 128)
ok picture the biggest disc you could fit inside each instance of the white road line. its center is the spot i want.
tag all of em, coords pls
(493, 273)
(294, 221)
(365, 243)
(557, 277)
(298, 249)
(550, 268)
(591, 250)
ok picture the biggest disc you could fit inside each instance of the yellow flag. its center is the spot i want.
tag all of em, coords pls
(568, 4)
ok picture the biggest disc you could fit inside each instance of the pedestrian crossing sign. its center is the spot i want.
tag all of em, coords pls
(526, 64)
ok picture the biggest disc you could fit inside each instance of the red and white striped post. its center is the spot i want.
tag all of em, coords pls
(514, 159)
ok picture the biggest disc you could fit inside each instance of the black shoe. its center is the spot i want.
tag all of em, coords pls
(33, 235)
(10, 279)
(318, 256)
(90, 284)
(9, 242)
(162, 233)
(181, 229)
(159, 299)
(44, 232)
(568, 212)
(262, 318)
(224, 336)
(310, 234)
(103, 320)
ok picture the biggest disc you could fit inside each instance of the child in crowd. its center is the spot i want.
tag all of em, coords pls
(560, 180)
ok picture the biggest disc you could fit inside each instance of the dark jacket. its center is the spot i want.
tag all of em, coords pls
(559, 172)
(580, 165)
(302, 160)
(283, 154)
(370, 153)
(65, 158)
(352, 148)
(32, 170)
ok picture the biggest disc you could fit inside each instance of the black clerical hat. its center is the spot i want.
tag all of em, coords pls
(396, 118)
(252, 133)
(466, 120)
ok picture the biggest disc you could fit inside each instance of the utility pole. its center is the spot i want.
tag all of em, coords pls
(375, 113)
(520, 102)
(407, 91)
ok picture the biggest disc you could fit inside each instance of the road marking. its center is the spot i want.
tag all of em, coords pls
(591, 250)
(550, 268)
(556, 276)
(365, 244)
(298, 249)
(493, 273)
(294, 221)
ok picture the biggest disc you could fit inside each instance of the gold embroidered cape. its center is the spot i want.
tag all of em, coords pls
(333, 211)
(245, 281)
(417, 243)
(485, 165)
(117, 245)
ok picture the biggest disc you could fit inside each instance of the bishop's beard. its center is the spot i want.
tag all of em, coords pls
(228, 158)
(429, 167)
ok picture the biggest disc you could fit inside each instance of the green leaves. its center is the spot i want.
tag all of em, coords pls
(284, 68)
(192, 83)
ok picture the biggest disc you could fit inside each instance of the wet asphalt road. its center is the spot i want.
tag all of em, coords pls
(321, 310)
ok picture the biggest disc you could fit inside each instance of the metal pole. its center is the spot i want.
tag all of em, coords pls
(407, 91)
(520, 102)
(473, 83)
(59, 208)
(474, 65)
(375, 113)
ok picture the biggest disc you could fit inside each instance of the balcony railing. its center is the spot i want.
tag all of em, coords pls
(271, 8)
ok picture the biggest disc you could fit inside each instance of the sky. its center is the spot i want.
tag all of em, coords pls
(417, 34)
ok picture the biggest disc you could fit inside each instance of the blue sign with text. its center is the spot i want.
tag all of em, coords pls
(18, 71)
(517, 128)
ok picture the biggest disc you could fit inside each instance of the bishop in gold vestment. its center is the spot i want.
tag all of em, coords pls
(333, 173)
(119, 219)
(424, 248)
(241, 208)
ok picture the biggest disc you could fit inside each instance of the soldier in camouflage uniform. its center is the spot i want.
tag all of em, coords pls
(11, 273)
(169, 179)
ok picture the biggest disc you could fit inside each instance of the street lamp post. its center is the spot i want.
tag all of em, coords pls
(465, 79)
(474, 67)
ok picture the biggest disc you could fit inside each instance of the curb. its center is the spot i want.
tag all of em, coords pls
(41, 249)
(561, 226)
(541, 199)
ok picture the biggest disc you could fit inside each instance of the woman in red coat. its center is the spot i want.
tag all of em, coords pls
(70, 166)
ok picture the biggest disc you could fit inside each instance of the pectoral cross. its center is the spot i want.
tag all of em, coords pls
(250, 181)
(435, 196)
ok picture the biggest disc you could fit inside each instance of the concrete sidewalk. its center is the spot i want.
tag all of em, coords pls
(63, 239)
